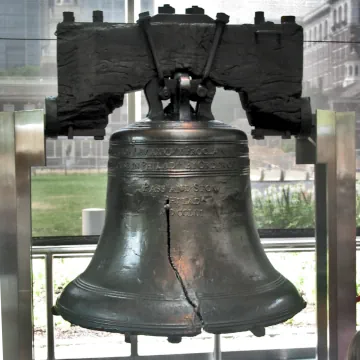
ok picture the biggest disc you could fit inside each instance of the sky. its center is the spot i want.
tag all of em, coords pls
(242, 11)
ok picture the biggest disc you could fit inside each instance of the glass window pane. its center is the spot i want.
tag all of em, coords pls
(282, 191)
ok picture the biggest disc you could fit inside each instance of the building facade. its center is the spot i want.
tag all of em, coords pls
(21, 19)
(331, 57)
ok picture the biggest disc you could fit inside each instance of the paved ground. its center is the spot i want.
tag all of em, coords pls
(115, 345)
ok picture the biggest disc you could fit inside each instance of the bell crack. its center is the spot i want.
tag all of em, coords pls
(177, 274)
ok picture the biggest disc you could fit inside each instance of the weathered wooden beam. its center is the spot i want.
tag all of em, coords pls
(100, 62)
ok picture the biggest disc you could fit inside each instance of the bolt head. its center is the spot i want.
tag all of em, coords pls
(164, 93)
(68, 16)
(259, 17)
(195, 10)
(144, 16)
(174, 339)
(128, 338)
(288, 19)
(98, 16)
(222, 18)
(201, 91)
(166, 9)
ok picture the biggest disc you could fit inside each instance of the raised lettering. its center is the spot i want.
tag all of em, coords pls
(187, 212)
(150, 151)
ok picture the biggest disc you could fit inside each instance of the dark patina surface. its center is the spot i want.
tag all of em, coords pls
(179, 251)
(99, 62)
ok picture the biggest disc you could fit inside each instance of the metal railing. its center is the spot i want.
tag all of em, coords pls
(49, 249)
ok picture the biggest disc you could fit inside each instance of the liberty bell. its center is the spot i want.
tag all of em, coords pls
(179, 252)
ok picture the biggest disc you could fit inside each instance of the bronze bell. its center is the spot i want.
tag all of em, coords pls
(179, 251)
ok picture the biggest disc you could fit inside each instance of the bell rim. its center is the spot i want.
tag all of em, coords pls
(165, 330)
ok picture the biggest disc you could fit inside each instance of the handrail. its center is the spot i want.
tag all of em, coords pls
(69, 247)
(270, 238)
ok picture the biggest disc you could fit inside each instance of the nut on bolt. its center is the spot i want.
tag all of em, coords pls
(127, 338)
(166, 9)
(259, 17)
(288, 19)
(174, 339)
(201, 91)
(68, 16)
(144, 16)
(98, 16)
(195, 10)
(222, 18)
(164, 93)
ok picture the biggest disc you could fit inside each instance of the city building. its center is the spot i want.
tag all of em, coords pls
(331, 56)
(21, 19)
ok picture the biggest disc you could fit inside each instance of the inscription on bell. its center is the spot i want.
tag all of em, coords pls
(185, 200)
(187, 165)
(137, 151)
(161, 188)
(187, 212)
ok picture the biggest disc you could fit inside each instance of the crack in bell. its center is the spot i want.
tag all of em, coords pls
(172, 264)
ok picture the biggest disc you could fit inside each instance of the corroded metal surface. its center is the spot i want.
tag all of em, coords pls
(179, 251)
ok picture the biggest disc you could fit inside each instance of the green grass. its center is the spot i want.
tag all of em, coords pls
(57, 202)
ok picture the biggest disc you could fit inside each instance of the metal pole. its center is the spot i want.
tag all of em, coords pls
(321, 262)
(217, 347)
(134, 98)
(49, 304)
(10, 325)
(131, 99)
(336, 147)
(21, 146)
(134, 346)
(29, 151)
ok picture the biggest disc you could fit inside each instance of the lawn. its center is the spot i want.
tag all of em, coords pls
(57, 202)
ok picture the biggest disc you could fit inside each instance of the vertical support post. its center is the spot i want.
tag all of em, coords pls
(131, 98)
(29, 151)
(49, 304)
(21, 146)
(10, 324)
(321, 262)
(336, 148)
(134, 98)
(134, 345)
(217, 347)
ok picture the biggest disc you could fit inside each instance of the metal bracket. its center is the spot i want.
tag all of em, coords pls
(22, 145)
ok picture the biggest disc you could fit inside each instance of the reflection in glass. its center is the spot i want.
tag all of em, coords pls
(75, 177)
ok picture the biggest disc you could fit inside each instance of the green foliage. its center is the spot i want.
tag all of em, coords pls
(57, 202)
(284, 207)
(28, 70)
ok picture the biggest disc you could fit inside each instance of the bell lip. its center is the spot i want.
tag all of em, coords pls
(228, 327)
(92, 323)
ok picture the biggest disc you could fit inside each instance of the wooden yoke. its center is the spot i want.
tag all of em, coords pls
(98, 63)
